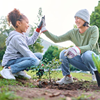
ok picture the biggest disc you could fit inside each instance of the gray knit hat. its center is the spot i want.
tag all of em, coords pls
(83, 14)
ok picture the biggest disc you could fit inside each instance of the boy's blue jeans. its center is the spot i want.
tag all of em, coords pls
(21, 64)
(83, 62)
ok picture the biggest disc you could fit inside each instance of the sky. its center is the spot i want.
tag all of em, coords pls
(59, 14)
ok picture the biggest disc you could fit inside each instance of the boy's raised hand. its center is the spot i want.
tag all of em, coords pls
(41, 24)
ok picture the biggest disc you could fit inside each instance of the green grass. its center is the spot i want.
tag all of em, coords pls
(9, 96)
(6, 92)
(82, 97)
(4, 82)
(0, 68)
(82, 76)
(38, 99)
(54, 75)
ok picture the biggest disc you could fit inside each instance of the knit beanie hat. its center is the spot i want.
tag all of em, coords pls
(83, 14)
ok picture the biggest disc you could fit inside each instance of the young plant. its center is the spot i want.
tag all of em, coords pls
(96, 60)
(39, 70)
(46, 68)
(50, 66)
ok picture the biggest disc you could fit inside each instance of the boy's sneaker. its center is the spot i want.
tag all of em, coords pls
(22, 73)
(94, 78)
(65, 80)
(7, 74)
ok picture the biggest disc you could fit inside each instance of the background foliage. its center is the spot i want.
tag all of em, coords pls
(95, 18)
(52, 52)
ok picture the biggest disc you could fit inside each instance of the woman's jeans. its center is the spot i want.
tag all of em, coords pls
(23, 63)
(83, 62)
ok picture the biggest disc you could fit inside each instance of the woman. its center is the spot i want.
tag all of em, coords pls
(85, 38)
(18, 56)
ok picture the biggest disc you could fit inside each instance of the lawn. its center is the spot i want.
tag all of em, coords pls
(55, 75)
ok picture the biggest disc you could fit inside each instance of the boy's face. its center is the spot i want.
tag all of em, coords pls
(23, 25)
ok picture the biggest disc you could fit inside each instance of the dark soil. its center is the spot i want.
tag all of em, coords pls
(78, 85)
(52, 91)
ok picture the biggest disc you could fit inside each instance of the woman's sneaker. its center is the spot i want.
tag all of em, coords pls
(22, 73)
(65, 80)
(94, 78)
(7, 74)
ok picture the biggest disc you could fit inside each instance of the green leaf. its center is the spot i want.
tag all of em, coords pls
(96, 62)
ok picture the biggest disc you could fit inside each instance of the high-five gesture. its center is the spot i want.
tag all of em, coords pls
(43, 29)
(41, 24)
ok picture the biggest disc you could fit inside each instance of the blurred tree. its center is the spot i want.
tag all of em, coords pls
(2, 41)
(4, 27)
(3, 35)
(52, 52)
(36, 47)
(2, 51)
(95, 18)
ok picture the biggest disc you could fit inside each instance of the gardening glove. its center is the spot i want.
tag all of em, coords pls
(41, 24)
(43, 29)
(72, 52)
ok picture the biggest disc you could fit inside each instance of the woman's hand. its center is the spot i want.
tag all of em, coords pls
(43, 29)
(72, 52)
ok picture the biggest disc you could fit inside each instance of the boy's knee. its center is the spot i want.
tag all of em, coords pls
(40, 56)
(35, 61)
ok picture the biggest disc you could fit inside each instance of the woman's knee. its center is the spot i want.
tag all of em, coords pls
(61, 54)
(87, 56)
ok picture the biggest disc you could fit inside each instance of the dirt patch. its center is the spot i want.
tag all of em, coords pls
(53, 91)
(48, 94)
(81, 85)
(46, 90)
